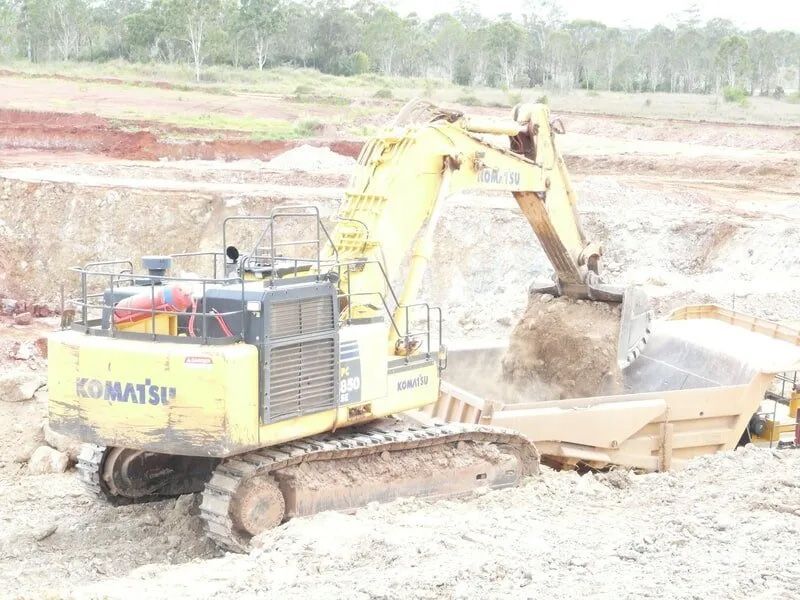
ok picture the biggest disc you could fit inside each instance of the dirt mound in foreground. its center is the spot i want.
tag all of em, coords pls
(566, 348)
(561, 536)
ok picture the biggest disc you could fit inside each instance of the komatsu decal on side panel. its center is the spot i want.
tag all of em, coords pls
(413, 383)
(122, 391)
(349, 372)
(499, 176)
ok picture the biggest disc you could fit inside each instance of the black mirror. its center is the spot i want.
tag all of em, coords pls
(232, 252)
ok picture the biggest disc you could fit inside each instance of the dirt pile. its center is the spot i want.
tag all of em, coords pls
(558, 536)
(311, 158)
(55, 533)
(564, 348)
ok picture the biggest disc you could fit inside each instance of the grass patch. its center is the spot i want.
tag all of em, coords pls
(734, 94)
(383, 93)
(363, 130)
(469, 100)
(308, 127)
(332, 100)
(258, 129)
(286, 82)
(227, 80)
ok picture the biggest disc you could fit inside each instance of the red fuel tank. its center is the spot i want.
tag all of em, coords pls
(171, 298)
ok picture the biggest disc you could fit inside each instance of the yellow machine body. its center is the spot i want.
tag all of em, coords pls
(163, 375)
(148, 386)
(780, 424)
(424, 163)
(203, 400)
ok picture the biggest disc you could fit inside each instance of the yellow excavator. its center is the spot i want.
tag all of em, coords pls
(269, 383)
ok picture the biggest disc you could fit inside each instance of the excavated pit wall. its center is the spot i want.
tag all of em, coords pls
(681, 246)
(47, 227)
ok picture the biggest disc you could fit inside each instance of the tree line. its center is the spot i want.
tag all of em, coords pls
(347, 38)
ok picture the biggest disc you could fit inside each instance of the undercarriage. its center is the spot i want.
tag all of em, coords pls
(247, 494)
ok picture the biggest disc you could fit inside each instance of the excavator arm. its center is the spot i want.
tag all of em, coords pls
(397, 192)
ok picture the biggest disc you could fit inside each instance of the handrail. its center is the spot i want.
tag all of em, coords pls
(86, 300)
(103, 263)
(408, 335)
(316, 266)
(212, 253)
(299, 211)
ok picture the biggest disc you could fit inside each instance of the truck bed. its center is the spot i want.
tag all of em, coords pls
(699, 380)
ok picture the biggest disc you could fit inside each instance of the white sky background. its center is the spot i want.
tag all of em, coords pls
(766, 14)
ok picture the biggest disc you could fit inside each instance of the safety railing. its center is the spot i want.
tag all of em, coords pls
(411, 339)
(217, 260)
(98, 311)
(788, 383)
(276, 257)
(418, 327)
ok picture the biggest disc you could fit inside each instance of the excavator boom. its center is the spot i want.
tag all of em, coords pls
(430, 153)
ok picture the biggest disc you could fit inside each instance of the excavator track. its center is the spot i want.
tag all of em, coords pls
(249, 492)
(90, 461)
(124, 476)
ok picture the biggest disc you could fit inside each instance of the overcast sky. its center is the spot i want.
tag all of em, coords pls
(767, 14)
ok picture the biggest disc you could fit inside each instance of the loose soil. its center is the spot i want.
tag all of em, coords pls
(142, 140)
(564, 348)
(722, 528)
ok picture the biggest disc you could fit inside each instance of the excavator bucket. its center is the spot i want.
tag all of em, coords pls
(635, 314)
(634, 326)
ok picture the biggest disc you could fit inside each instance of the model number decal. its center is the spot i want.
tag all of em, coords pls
(349, 372)
(499, 176)
(121, 391)
(347, 385)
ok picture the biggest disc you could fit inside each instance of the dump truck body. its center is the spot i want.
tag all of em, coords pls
(693, 391)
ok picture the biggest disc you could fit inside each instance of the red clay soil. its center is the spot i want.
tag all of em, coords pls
(65, 132)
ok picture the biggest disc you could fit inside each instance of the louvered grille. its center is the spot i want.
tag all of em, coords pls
(301, 357)
(302, 378)
(304, 317)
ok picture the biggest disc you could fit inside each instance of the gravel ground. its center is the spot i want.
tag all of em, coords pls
(53, 532)
(725, 527)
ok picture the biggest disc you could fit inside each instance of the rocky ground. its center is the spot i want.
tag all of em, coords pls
(693, 212)
(723, 528)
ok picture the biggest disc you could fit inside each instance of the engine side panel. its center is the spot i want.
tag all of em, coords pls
(165, 397)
